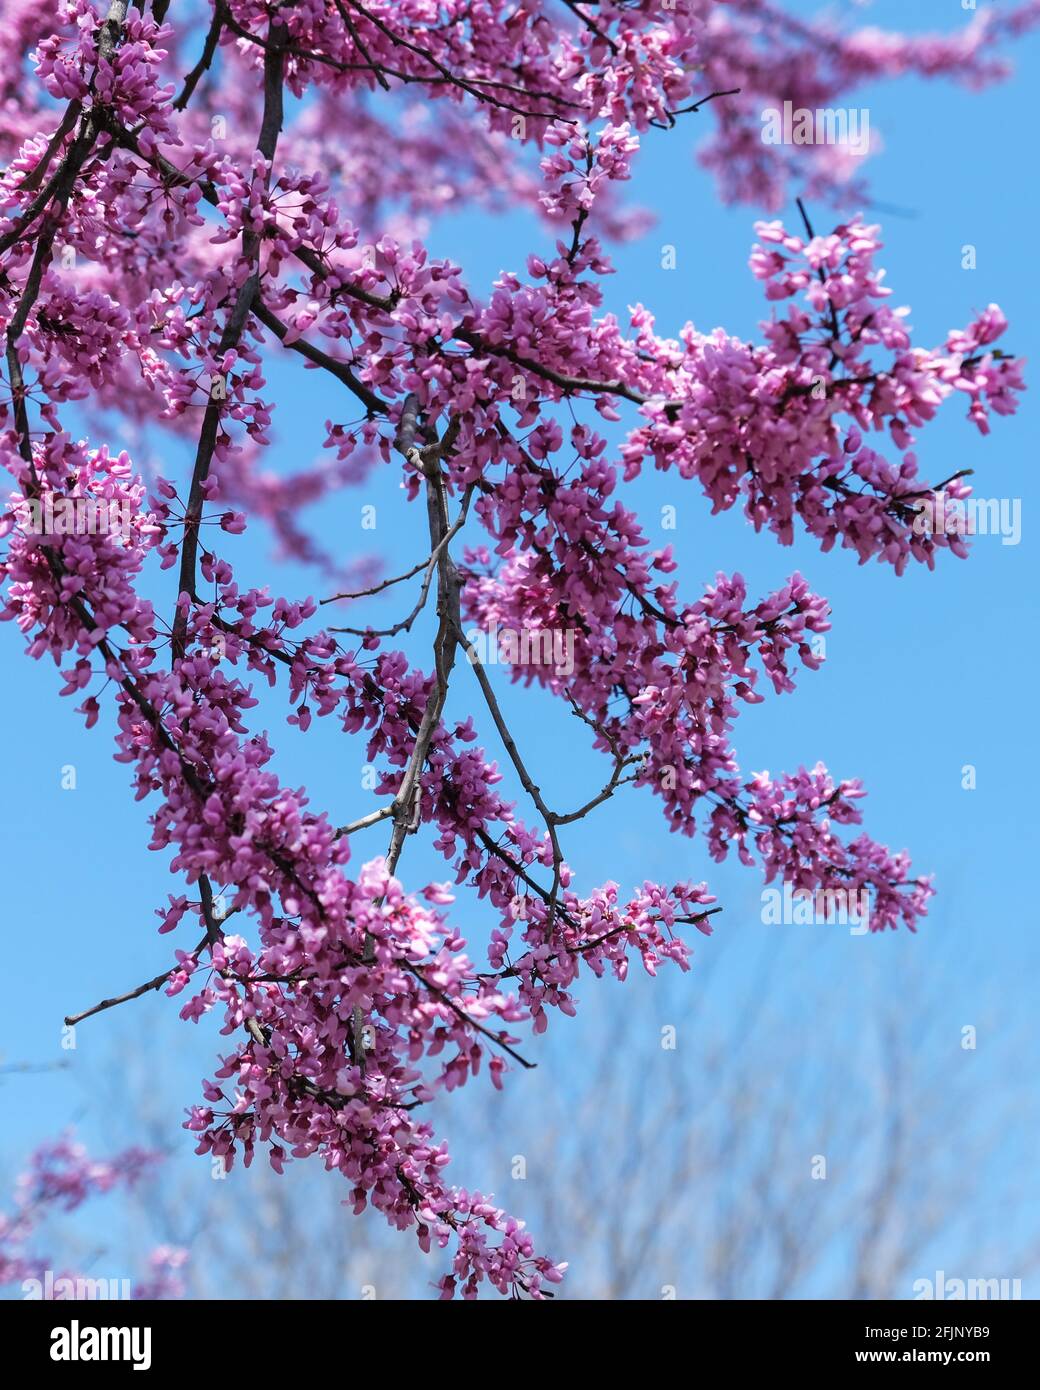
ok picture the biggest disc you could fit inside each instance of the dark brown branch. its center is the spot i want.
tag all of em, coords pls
(669, 121)
(32, 180)
(154, 984)
(209, 51)
(340, 370)
(359, 44)
(270, 126)
(592, 26)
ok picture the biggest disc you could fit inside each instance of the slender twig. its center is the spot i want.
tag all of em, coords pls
(822, 277)
(359, 44)
(695, 106)
(270, 126)
(153, 984)
(209, 50)
(340, 370)
(591, 25)
(526, 780)
(405, 625)
(378, 588)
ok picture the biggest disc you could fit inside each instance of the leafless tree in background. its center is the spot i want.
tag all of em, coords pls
(841, 1143)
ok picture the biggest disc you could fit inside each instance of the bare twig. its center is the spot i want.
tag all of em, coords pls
(405, 624)
(153, 984)
(209, 50)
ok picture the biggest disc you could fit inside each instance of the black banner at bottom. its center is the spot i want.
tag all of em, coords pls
(135, 1338)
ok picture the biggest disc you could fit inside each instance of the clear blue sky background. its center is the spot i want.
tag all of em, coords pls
(924, 674)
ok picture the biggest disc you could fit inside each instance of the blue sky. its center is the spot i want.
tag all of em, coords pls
(924, 674)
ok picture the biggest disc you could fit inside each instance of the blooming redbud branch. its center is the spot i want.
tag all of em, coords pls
(185, 203)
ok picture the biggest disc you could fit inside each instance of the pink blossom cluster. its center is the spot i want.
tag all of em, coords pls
(785, 428)
(61, 1176)
(169, 220)
(789, 823)
(772, 56)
